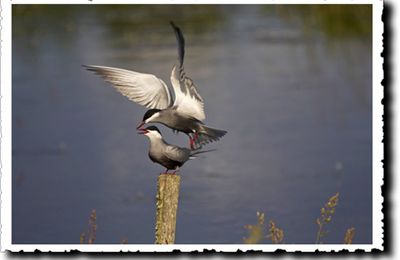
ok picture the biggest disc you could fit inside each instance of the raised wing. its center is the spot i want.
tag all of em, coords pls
(181, 43)
(145, 89)
(187, 99)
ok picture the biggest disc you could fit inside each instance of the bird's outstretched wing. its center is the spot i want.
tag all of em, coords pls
(187, 99)
(181, 43)
(145, 89)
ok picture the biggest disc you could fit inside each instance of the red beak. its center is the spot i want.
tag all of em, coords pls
(142, 131)
(140, 125)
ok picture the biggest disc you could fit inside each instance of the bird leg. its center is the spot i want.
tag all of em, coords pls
(191, 143)
(196, 135)
(176, 170)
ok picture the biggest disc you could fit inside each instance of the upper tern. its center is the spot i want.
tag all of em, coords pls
(181, 111)
(170, 156)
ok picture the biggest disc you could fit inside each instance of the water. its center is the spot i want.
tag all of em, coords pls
(291, 85)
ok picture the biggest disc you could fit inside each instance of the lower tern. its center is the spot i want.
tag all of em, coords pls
(170, 156)
(182, 111)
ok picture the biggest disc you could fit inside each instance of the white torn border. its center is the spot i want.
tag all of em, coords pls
(6, 170)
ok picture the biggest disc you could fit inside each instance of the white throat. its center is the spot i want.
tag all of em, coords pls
(154, 136)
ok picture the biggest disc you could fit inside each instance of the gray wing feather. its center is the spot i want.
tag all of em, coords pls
(177, 154)
(145, 89)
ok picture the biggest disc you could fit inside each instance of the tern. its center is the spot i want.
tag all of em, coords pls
(182, 110)
(172, 157)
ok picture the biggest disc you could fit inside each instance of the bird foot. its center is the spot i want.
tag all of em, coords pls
(193, 144)
(196, 147)
(170, 173)
(166, 172)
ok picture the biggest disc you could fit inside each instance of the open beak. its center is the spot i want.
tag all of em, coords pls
(140, 125)
(142, 131)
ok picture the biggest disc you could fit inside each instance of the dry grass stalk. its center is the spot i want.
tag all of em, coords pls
(256, 232)
(82, 238)
(275, 234)
(348, 238)
(93, 227)
(92, 230)
(326, 216)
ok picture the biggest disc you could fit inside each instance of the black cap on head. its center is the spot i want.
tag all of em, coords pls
(153, 128)
(149, 113)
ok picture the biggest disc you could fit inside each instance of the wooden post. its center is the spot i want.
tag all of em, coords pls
(167, 207)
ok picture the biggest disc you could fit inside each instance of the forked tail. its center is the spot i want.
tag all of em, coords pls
(207, 135)
(194, 154)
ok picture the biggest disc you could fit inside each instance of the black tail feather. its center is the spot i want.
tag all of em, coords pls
(194, 154)
(208, 135)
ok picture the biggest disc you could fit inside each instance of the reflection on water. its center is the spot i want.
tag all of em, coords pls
(291, 84)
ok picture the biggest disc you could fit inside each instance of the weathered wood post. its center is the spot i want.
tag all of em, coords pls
(167, 207)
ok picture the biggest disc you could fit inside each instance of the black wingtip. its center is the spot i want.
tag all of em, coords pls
(181, 42)
(87, 67)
